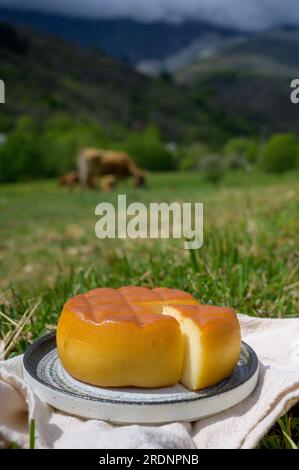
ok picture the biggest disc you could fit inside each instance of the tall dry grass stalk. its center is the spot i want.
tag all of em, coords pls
(14, 335)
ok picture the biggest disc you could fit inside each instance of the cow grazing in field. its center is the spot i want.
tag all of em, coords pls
(93, 164)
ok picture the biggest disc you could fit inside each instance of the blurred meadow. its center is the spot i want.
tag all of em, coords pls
(48, 231)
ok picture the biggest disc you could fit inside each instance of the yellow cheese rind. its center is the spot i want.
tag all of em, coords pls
(120, 354)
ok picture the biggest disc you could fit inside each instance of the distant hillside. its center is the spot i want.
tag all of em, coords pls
(44, 75)
(124, 39)
(252, 79)
(209, 45)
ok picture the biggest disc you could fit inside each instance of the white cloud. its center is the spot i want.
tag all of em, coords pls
(248, 14)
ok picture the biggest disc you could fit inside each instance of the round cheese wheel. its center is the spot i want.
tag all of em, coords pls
(134, 336)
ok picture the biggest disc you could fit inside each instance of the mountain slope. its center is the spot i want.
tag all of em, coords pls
(44, 75)
(123, 39)
(252, 79)
(206, 46)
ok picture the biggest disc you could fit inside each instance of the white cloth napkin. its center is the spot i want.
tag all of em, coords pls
(276, 343)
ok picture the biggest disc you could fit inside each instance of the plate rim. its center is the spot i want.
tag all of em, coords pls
(196, 397)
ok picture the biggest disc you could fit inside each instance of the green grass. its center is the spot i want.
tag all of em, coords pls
(32, 434)
(250, 258)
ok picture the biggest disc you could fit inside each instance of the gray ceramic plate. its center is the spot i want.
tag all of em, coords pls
(46, 376)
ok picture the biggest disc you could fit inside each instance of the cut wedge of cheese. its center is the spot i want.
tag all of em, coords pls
(212, 343)
(134, 336)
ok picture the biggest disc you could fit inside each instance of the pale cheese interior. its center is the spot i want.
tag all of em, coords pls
(191, 367)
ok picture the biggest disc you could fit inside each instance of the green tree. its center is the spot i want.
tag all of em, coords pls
(239, 151)
(149, 151)
(191, 156)
(20, 156)
(62, 140)
(279, 154)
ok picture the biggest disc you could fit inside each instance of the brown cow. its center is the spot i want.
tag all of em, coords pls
(95, 163)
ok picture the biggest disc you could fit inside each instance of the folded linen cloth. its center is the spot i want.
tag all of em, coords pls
(276, 342)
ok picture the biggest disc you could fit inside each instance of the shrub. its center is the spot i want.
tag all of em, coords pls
(279, 153)
(192, 155)
(213, 168)
(20, 156)
(239, 151)
(149, 151)
(31, 151)
(62, 140)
